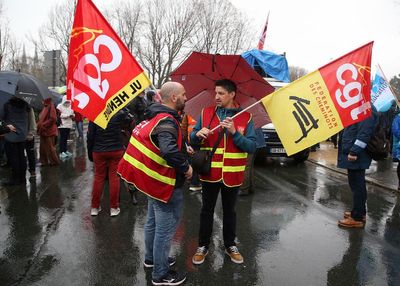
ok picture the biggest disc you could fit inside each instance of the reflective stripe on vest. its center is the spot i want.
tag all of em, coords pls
(142, 164)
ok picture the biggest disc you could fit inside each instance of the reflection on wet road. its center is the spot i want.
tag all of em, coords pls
(286, 232)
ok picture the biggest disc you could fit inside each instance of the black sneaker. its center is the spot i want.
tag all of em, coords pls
(171, 278)
(150, 264)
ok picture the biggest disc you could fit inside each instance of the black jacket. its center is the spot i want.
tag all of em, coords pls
(165, 137)
(109, 139)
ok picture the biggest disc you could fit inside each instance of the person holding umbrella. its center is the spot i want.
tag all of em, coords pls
(5, 128)
(227, 167)
(16, 113)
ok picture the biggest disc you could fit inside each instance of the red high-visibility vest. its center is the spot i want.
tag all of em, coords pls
(142, 164)
(229, 162)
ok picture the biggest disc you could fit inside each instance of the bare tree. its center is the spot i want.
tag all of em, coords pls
(221, 28)
(296, 72)
(126, 18)
(167, 30)
(4, 37)
(56, 32)
(14, 55)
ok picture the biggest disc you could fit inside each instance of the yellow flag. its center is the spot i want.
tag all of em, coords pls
(322, 103)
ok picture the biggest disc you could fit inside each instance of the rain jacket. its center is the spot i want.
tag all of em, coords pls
(65, 113)
(16, 113)
(109, 139)
(354, 140)
(46, 125)
(396, 137)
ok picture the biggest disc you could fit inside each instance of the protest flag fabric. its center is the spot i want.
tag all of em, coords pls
(260, 45)
(320, 104)
(102, 75)
(381, 94)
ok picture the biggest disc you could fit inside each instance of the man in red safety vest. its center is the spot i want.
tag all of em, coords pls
(155, 162)
(238, 138)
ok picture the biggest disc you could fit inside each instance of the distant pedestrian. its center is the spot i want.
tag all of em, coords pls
(79, 124)
(67, 116)
(188, 123)
(16, 113)
(105, 149)
(156, 163)
(353, 157)
(47, 130)
(235, 139)
(30, 144)
(396, 145)
(149, 97)
(137, 108)
(334, 139)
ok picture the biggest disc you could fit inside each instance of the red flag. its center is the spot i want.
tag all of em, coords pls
(102, 75)
(322, 103)
(260, 45)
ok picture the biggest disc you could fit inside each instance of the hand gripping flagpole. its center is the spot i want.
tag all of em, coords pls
(237, 114)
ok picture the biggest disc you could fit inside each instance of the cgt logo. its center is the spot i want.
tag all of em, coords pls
(350, 91)
(98, 84)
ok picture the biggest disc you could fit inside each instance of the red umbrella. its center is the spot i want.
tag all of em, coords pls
(200, 71)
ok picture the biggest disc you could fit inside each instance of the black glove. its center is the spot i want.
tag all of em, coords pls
(90, 156)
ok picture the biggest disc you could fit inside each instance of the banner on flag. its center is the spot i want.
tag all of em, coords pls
(381, 94)
(320, 104)
(260, 45)
(102, 75)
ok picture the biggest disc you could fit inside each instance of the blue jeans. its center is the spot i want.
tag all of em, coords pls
(358, 188)
(160, 227)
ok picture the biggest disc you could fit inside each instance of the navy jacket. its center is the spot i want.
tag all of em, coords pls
(354, 139)
(109, 139)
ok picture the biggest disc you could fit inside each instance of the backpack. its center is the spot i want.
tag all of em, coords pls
(378, 147)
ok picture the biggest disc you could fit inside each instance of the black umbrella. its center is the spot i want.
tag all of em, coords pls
(24, 86)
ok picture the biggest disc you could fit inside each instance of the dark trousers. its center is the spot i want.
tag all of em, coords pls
(16, 155)
(64, 135)
(357, 185)
(30, 153)
(209, 198)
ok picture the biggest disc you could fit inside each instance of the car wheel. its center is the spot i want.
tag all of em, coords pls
(301, 156)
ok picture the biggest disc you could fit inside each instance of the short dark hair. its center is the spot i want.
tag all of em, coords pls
(229, 85)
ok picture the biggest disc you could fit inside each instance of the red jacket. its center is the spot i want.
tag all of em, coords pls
(46, 125)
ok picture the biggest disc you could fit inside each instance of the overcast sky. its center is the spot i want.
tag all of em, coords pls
(311, 32)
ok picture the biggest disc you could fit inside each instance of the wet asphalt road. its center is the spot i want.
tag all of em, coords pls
(286, 232)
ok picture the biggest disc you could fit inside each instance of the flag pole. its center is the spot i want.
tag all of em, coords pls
(237, 114)
(391, 89)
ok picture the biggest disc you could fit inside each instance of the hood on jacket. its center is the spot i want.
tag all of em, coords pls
(47, 101)
(156, 108)
(65, 101)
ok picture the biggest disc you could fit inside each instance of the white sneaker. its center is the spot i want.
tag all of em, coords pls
(63, 155)
(68, 153)
(114, 212)
(94, 211)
